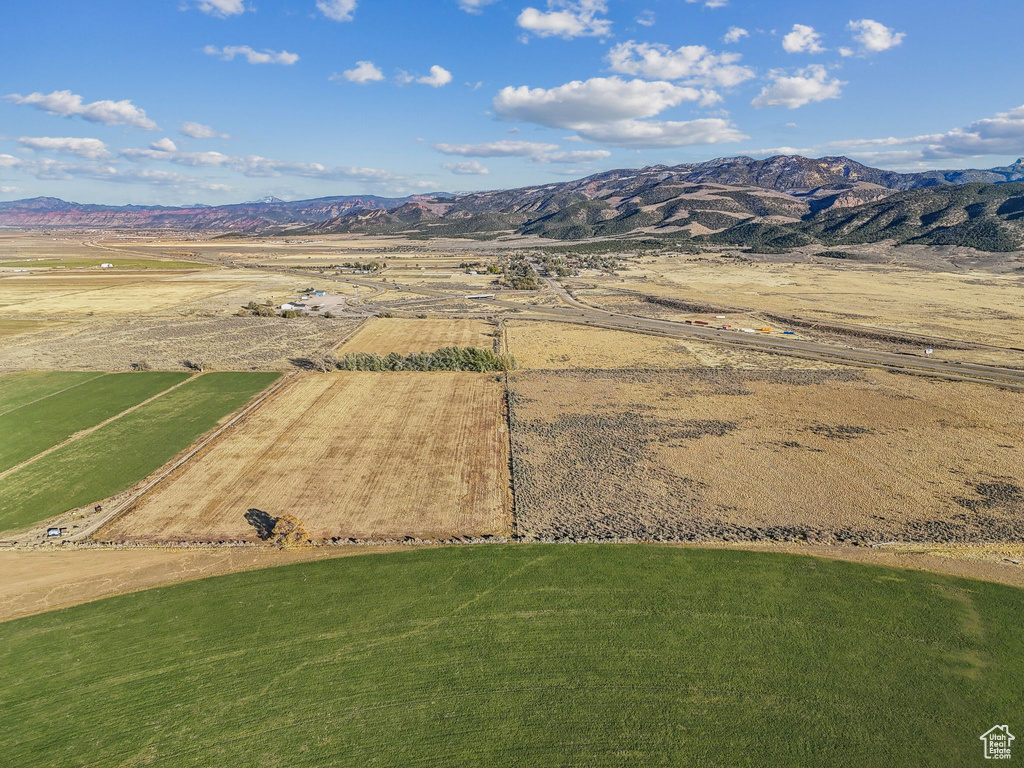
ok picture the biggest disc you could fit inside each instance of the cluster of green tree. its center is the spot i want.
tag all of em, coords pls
(556, 266)
(760, 237)
(647, 245)
(517, 273)
(444, 359)
(367, 266)
(266, 309)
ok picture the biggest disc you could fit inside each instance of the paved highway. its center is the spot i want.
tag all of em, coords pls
(576, 311)
(572, 310)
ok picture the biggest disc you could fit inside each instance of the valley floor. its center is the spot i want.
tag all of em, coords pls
(631, 416)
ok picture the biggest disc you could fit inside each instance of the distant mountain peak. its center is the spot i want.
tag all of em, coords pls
(267, 199)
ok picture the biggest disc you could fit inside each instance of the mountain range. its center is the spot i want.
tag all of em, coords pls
(774, 203)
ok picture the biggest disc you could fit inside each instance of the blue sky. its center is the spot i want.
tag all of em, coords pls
(216, 101)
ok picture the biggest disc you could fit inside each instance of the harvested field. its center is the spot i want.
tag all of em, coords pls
(361, 455)
(775, 455)
(566, 346)
(114, 457)
(225, 343)
(557, 346)
(10, 327)
(383, 335)
(54, 263)
(93, 293)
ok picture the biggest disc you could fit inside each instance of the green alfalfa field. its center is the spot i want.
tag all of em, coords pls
(118, 454)
(40, 424)
(522, 655)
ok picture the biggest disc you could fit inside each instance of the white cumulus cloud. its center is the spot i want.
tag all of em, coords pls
(439, 76)
(600, 99)
(873, 36)
(539, 152)
(641, 134)
(164, 145)
(803, 39)
(364, 72)
(694, 64)
(808, 85)
(337, 10)
(474, 6)
(266, 56)
(93, 149)
(567, 19)
(611, 110)
(735, 34)
(467, 168)
(200, 131)
(68, 104)
(497, 149)
(1002, 134)
(161, 152)
(222, 8)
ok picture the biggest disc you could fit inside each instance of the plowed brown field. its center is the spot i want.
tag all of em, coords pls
(362, 455)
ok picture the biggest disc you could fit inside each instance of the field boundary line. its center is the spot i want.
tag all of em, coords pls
(133, 497)
(348, 336)
(52, 394)
(508, 425)
(89, 430)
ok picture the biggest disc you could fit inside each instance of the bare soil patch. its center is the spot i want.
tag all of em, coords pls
(36, 581)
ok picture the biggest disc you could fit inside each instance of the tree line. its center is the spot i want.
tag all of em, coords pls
(444, 359)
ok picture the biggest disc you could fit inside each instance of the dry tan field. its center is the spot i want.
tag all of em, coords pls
(557, 346)
(11, 327)
(361, 455)
(722, 454)
(383, 335)
(544, 345)
(222, 343)
(33, 581)
(966, 303)
(91, 293)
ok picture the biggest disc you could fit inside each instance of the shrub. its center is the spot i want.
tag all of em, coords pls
(444, 359)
